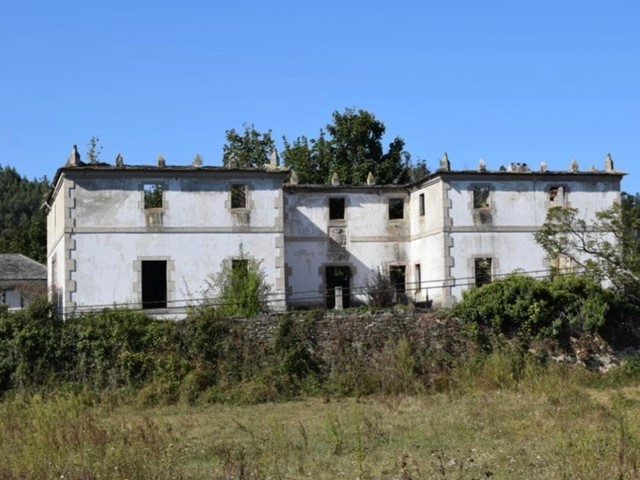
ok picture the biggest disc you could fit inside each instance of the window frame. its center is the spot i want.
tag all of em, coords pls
(484, 276)
(390, 208)
(477, 188)
(343, 208)
(236, 189)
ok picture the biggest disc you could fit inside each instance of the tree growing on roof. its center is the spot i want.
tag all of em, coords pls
(352, 150)
(249, 149)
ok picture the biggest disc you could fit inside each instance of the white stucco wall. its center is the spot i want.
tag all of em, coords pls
(110, 232)
(370, 240)
(505, 231)
(99, 231)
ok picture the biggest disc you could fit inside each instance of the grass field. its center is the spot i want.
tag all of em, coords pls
(552, 425)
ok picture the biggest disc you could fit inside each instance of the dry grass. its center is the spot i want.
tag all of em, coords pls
(549, 427)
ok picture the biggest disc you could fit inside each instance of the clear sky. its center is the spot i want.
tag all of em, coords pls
(506, 81)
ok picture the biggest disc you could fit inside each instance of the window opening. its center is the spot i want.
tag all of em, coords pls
(396, 208)
(239, 273)
(152, 195)
(238, 196)
(397, 277)
(338, 276)
(482, 271)
(481, 197)
(556, 196)
(336, 209)
(154, 284)
(418, 277)
(421, 203)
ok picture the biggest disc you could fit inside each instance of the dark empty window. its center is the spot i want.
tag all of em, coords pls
(152, 195)
(481, 197)
(421, 203)
(154, 284)
(397, 277)
(556, 196)
(396, 208)
(238, 196)
(482, 271)
(418, 286)
(336, 209)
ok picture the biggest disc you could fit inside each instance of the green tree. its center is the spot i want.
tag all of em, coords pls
(356, 140)
(311, 159)
(352, 150)
(250, 149)
(608, 248)
(22, 220)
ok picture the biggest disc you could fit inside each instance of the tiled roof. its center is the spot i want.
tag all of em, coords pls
(14, 266)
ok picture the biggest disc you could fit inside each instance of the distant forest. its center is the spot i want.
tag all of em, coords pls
(23, 226)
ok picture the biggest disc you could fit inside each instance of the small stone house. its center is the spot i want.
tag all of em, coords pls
(21, 279)
(151, 236)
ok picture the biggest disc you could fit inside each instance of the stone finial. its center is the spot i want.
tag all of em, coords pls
(197, 160)
(293, 178)
(608, 163)
(161, 161)
(233, 161)
(573, 167)
(335, 180)
(543, 166)
(482, 166)
(511, 167)
(274, 161)
(445, 164)
(593, 168)
(119, 160)
(502, 168)
(371, 180)
(74, 157)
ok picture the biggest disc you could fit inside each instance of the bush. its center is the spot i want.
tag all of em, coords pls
(239, 289)
(525, 308)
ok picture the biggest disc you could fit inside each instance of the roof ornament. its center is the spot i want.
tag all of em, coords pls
(293, 179)
(593, 168)
(445, 164)
(233, 161)
(119, 160)
(573, 167)
(543, 166)
(197, 160)
(482, 166)
(74, 158)
(161, 161)
(274, 161)
(335, 180)
(608, 163)
(371, 180)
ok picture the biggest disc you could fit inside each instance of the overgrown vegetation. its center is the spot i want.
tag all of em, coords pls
(529, 309)
(239, 289)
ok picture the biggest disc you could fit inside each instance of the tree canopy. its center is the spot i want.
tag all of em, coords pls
(352, 150)
(608, 248)
(349, 146)
(247, 150)
(23, 226)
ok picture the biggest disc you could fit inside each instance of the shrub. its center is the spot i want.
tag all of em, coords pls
(526, 308)
(380, 291)
(239, 289)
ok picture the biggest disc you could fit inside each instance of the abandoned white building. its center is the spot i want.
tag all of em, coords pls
(151, 236)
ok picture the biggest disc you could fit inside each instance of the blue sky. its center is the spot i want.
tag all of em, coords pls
(506, 81)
